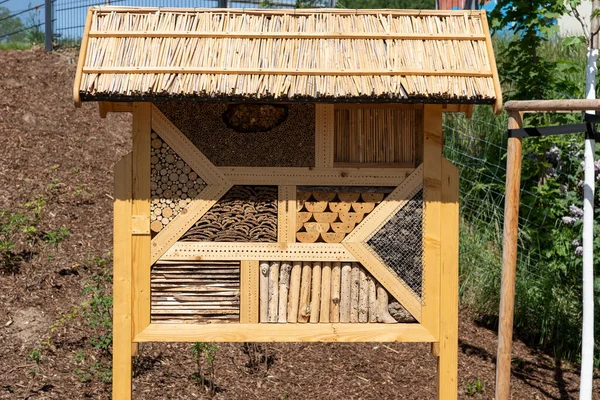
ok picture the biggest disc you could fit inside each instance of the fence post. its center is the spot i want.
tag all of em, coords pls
(48, 34)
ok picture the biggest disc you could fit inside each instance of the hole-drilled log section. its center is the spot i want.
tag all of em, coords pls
(172, 184)
(328, 214)
(289, 144)
(243, 214)
(195, 292)
(325, 292)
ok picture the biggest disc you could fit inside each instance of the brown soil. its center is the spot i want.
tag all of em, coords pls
(67, 154)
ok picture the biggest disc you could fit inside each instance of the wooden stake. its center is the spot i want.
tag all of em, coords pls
(304, 307)
(363, 297)
(273, 291)
(294, 295)
(354, 292)
(336, 278)
(345, 292)
(383, 314)
(315, 298)
(325, 292)
(264, 291)
(373, 310)
(284, 285)
(509, 259)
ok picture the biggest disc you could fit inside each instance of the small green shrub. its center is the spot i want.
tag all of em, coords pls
(474, 387)
(98, 310)
(53, 238)
(205, 377)
(36, 355)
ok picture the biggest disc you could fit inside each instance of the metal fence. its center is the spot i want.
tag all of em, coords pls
(69, 15)
(59, 23)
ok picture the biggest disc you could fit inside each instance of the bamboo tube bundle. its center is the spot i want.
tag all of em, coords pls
(324, 292)
(385, 135)
(195, 292)
(172, 184)
(329, 214)
(264, 54)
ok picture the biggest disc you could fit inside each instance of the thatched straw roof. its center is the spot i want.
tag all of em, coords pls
(285, 55)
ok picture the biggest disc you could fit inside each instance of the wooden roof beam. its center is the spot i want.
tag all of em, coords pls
(104, 107)
(286, 35)
(563, 105)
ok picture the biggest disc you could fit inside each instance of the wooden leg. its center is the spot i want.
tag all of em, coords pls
(122, 324)
(447, 349)
(509, 259)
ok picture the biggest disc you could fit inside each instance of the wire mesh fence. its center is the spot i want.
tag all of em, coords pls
(21, 22)
(62, 21)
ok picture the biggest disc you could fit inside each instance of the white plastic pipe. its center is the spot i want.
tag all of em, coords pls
(587, 340)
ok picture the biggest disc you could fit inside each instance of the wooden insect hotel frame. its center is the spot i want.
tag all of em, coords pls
(286, 182)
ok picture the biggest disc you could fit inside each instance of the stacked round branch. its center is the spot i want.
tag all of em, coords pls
(324, 292)
(328, 216)
(195, 292)
(172, 184)
(244, 214)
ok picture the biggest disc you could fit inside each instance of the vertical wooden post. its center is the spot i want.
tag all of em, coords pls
(249, 300)
(122, 345)
(448, 346)
(509, 259)
(432, 182)
(324, 131)
(142, 125)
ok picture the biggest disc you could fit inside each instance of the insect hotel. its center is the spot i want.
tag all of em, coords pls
(286, 182)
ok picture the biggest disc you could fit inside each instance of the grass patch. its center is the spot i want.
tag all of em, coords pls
(6, 46)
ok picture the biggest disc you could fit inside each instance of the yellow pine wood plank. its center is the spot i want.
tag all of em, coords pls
(249, 292)
(142, 122)
(316, 176)
(287, 35)
(286, 71)
(432, 179)
(492, 60)
(181, 251)
(324, 127)
(122, 328)
(448, 345)
(286, 214)
(335, 332)
(81, 60)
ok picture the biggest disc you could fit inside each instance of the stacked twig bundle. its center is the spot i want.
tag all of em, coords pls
(322, 292)
(195, 292)
(244, 214)
(172, 184)
(329, 214)
(281, 55)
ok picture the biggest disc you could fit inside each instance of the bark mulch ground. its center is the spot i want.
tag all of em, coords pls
(55, 295)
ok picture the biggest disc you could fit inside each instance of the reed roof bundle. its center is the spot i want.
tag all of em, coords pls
(284, 55)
